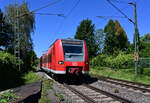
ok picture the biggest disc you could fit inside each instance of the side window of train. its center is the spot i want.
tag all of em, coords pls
(47, 59)
(50, 57)
(54, 50)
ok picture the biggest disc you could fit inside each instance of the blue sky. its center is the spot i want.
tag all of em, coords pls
(50, 28)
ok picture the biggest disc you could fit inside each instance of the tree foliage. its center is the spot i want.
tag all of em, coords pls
(110, 39)
(145, 46)
(116, 38)
(99, 38)
(26, 23)
(122, 40)
(120, 61)
(26, 28)
(85, 31)
(5, 30)
(145, 38)
(9, 70)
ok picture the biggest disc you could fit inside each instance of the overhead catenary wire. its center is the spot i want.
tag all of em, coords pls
(120, 1)
(120, 11)
(35, 10)
(62, 15)
(76, 4)
(113, 16)
(67, 15)
(105, 17)
(50, 4)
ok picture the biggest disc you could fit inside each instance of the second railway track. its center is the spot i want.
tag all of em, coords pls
(136, 86)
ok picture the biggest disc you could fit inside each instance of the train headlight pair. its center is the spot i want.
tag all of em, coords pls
(60, 62)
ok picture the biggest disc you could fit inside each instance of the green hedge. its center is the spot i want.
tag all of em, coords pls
(10, 75)
(122, 60)
(145, 52)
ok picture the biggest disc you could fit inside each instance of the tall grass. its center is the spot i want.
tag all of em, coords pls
(125, 74)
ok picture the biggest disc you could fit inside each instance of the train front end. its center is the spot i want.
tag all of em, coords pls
(75, 56)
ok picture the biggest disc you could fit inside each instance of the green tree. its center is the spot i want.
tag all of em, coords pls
(85, 31)
(26, 23)
(99, 38)
(5, 36)
(145, 45)
(110, 39)
(116, 38)
(122, 40)
(26, 28)
(145, 38)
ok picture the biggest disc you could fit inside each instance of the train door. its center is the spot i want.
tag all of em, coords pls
(53, 57)
(50, 60)
(47, 60)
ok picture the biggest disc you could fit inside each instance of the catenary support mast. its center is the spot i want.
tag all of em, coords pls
(17, 34)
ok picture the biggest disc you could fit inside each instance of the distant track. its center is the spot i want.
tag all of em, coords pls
(128, 84)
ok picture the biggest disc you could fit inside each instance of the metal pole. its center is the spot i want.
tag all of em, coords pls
(136, 34)
(136, 39)
(16, 35)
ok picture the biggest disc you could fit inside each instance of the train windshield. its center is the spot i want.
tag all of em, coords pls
(73, 49)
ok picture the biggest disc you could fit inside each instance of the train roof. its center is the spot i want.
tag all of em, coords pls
(67, 39)
(70, 39)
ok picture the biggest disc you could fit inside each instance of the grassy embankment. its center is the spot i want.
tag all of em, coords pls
(29, 77)
(125, 74)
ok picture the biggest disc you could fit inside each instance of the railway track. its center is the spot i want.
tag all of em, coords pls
(92, 94)
(84, 93)
(136, 86)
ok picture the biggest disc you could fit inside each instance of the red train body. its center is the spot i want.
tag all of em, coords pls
(66, 56)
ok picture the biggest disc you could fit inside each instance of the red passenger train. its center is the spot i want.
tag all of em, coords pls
(66, 56)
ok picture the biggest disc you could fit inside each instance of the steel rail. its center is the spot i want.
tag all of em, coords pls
(81, 95)
(121, 99)
(126, 85)
(134, 83)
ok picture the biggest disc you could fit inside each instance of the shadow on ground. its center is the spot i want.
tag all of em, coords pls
(10, 79)
(72, 79)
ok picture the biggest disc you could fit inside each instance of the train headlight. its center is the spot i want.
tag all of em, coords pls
(86, 63)
(60, 62)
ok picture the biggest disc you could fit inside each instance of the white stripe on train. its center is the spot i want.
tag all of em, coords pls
(61, 72)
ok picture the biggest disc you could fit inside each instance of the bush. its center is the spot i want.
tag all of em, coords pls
(9, 72)
(122, 60)
(145, 51)
(98, 60)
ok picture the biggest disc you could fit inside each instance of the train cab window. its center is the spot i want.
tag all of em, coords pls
(73, 49)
